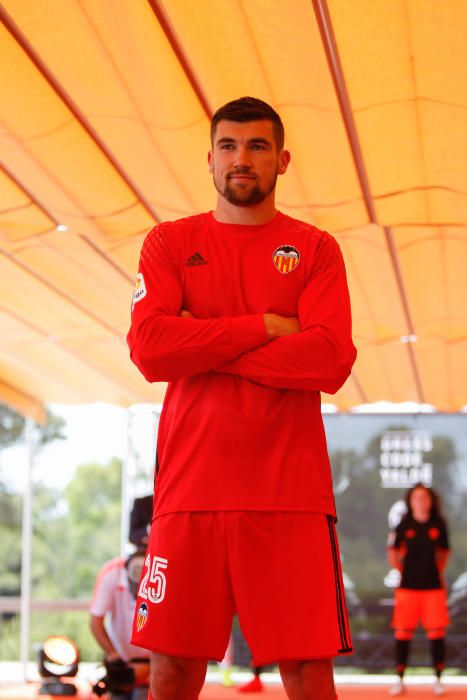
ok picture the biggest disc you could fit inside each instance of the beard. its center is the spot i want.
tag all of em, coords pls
(244, 194)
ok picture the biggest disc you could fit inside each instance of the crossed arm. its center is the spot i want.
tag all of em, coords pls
(319, 354)
(312, 351)
(303, 360)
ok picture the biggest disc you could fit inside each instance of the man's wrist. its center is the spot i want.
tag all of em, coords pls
(272, 325)
(279, 326)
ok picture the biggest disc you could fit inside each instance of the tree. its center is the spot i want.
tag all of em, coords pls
(13, 428)
(74, 533)
(12, 432)
(93, 500)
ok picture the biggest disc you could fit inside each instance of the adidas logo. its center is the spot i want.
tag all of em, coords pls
(194, 260)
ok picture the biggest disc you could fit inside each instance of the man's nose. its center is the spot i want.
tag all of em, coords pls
(243, 157)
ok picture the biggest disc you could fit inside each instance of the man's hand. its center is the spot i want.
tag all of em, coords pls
(185, 314)
(278, 326)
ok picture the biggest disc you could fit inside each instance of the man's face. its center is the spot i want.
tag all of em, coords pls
(245, 162)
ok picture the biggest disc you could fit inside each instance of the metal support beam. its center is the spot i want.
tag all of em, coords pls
(71, 105)
(26, 552)
(332, 54)
(181, 57)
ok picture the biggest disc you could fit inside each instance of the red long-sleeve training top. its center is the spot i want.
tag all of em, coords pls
(241, 426)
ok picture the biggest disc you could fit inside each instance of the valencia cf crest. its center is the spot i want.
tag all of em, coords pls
(141, 616)
(286, 258)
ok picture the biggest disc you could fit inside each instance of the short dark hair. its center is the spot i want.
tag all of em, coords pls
(249, 109)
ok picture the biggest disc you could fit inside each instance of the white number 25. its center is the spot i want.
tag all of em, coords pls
(153, 583)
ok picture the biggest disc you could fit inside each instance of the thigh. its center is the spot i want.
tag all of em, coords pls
(435, 615)
(184, 606)
(407, 610)
(288, 586)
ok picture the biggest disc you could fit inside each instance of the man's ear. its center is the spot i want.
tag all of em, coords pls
(284, 160)
(210, 161)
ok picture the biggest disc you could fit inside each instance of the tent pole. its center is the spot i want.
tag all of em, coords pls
(25, 609)
(124, 514)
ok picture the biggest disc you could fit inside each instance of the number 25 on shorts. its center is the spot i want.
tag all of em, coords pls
(153, 583)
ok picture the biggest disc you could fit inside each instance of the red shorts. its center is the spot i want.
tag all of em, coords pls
(279, 571)
(413, 607)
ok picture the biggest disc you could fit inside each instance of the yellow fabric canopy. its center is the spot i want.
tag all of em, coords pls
(105, 111)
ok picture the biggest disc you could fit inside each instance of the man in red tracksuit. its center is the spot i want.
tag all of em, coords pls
(245, 312)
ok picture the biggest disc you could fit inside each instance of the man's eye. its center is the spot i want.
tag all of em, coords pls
(226, 146)
(258, 147)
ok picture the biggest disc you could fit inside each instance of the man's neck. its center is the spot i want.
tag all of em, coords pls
(228, 213)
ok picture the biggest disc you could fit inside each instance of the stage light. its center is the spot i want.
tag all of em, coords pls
(58, 658)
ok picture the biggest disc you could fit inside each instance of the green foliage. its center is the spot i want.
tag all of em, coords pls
(76, 532)
(10, 558)
(12, 432)
(72, 624)
(93, 501)
(10, 509)
(9, 639)
(13, 428)
(10, 538)
(51, 430)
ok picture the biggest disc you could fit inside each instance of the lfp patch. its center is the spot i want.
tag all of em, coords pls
(140, 289)
(141, 616)
(286, 258)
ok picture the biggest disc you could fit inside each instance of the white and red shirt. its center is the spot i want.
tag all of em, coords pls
(241, 426)
(112, 600)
